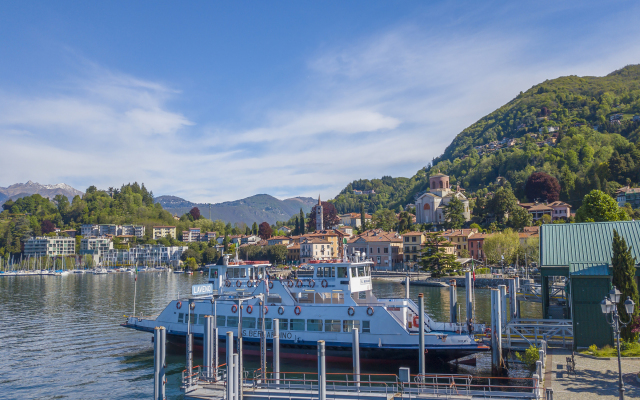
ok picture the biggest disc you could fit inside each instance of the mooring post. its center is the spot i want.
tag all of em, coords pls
(237, 377)
(453, 301)
(239, 365)
(230, 372)
(513, 298)
(406, 287)
(276, 350)
(503, 304)
(189, 358)
(356, 356)
(496, 332)
(468, 284)
(159, 355)
(322, 372)
(215, 350)
(207, 347)
(263, 344)
(421, 333)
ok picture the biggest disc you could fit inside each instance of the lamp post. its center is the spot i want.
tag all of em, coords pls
(609, 306)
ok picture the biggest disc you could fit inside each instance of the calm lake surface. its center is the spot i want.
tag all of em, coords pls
(60, 337)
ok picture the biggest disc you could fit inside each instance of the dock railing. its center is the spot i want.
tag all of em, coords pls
(467, 385)
(528, 332)
(337, 382)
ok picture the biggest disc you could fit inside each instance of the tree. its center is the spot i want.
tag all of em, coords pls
(598, 206)
(190, 253)
(505, 244)
(363, 217)
(210, 255)
(542, 186)
(384, 219)
(502, 203)
(531, 249)
(191, 264)
(277, 253)
(301, 231)
(247, 231)
(519, 218)
(405, 221)
(329, 217)
(195, 213)
(454, 214)
(264, 231)
(47, 226)
(254, 228)
(546, 219)
(296, 230)
(225, 243)
(624, 273)
(434, 255)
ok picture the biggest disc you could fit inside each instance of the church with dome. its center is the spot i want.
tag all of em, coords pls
(430, 207)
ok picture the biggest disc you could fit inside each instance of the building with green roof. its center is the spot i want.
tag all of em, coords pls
(582, 253)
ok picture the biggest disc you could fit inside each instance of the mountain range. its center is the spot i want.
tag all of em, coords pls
(257, 208)
(19, 190)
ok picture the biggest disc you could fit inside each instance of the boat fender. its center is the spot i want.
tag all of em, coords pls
(270, 284)
(290, 283)
(312, 283)
(351, 311)
(324, 283)
(227, 283)
(249, 283)
(238, 283)
(249, 309)
(299, 284)
(280, 310)
(234, 308)
(416, 320)
(192, 306)
(297, 310)
(370, 311)
(179, 305)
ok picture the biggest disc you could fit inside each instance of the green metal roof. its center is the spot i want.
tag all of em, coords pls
(585, 243)
(589, 269)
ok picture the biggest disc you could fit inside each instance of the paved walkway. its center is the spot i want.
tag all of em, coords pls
(594, 379)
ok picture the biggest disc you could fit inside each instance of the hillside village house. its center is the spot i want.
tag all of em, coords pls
(329, 235)
(460, 238)
(314, 249)
(629, 195)
(293, 253)
(412, 243)
(384, 248)
(430, 206)
(353, 219)
(556, 210)
(191, 235)
(278, 240)
(164, 231)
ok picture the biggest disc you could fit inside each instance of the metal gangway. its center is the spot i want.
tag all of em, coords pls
(520, 334)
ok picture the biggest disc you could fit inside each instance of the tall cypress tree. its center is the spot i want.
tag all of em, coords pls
(624, 273)
(301, 223)
(297, 232)
(363, 219)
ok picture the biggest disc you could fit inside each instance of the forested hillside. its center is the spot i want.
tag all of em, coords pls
(579, 129)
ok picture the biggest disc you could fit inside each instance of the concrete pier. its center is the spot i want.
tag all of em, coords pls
(159, 356)
(406, 287)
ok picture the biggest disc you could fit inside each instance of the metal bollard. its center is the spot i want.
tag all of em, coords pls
(453, 301)
(230, 373)
(237, 376)
(496, 333)
(406, 287)
(159, 355)
(207, 347)
(541, 357)
(276, 350)
(322, 372)
(421, 333)
(503, 304)
(469, 288)
(356, 356)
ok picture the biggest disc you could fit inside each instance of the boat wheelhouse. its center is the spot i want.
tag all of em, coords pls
(328, 304)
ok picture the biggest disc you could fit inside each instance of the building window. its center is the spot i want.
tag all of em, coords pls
(426, 207)
(413, 239)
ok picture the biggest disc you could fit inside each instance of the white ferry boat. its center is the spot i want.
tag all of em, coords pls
(325, 306)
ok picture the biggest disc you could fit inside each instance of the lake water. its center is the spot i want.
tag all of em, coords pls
(60, 337)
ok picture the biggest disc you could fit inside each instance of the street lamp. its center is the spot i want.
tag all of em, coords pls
(609, 306)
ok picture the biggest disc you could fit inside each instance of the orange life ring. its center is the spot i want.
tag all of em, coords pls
(312, 283)
(227, 283)
(416, 320)
(299, 284)
(249, 309)
(297, 310)
(238, 283)
(370, 311)
(324, 283)
(179, 305)
(290, 283)
(234, 308)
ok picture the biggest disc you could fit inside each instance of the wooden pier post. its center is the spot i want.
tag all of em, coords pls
(356, 356)
(421, 333)
(159, 355)
(230, 372)
(453, 301)
(469, 287)
(496, 332)
(276, 350)
(322, 372)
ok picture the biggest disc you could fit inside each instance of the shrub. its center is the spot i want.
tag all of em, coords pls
(483, 271)
(529, 357)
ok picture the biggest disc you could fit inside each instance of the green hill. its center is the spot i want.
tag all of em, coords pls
(579, 129)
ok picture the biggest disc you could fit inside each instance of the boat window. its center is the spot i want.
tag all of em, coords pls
(180, 317)
(328, 272)
(362, 295)
(250, 270)
(366, 326)
(319, 272)
(332, 325)
(323, 298)
(260, 272)
(243, 272)
(348, 325)
(274, 298)
(361, 271)
(353, 272)
(220, 320)
(284, 324)
(342, 272)
(338, 298)
(306, 297)
(367, 270)
(213, 273)
(268, 323)
(314, 325)
(297, 324)
(249, 322)
(232, 321)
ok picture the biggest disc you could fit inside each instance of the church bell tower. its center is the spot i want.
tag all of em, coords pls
(319, 222)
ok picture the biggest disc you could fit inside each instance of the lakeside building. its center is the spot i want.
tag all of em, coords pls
(293, 253)
(384, 248)
(164, 231)
(50, 246)
(412, 244)
(191, 235)
(314, 249)
(629, 195)
(96, 230)
(460, 239)
(430, 207)
(144, 255)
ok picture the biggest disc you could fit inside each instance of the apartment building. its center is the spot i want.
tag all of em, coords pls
(191, 235)
(95, 245)
(460, 238)
(164, 231)
(384, 248)
(314, 249)
(412, 243)
(95, 230)
(50, 246)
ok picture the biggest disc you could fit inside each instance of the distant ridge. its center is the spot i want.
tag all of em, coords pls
(257, 208)
(19, 190)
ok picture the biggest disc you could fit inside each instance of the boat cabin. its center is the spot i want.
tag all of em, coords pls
(239, 274)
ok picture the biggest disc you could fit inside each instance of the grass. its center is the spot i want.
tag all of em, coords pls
(627, 350)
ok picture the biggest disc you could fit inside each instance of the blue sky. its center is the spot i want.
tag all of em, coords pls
(215, 101)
